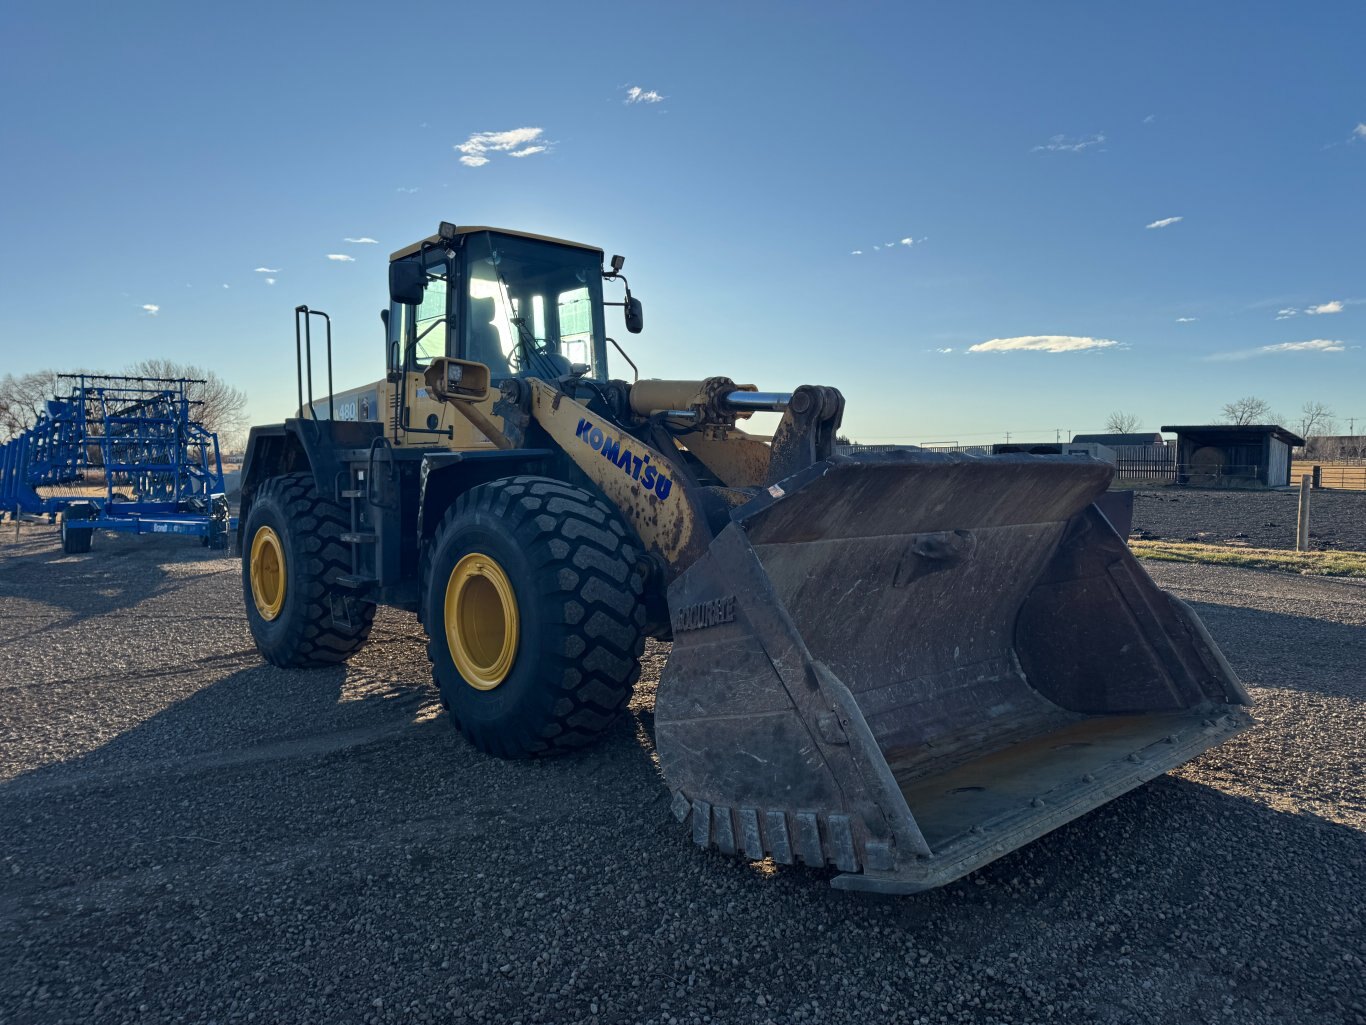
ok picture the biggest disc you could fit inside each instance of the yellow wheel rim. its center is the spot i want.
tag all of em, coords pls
(482, 624)
(267, 573)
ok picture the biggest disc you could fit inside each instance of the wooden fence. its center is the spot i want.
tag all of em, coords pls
(1153, 463)
(1338, 477)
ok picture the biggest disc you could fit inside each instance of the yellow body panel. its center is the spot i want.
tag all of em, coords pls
(374, 403)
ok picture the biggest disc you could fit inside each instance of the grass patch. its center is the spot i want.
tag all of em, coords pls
(1318, 564)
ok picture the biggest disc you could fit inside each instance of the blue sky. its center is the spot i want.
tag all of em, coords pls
(159, 154)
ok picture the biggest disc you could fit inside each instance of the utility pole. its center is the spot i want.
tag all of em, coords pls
(1352, 426)
(1007, 437)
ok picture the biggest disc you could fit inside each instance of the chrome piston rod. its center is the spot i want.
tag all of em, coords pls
(758, 401)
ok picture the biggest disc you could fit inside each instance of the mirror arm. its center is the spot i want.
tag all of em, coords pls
(635, 370)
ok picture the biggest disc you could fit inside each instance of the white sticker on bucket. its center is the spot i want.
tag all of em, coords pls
(776, 491)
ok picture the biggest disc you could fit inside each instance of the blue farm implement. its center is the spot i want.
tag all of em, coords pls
(118, 453)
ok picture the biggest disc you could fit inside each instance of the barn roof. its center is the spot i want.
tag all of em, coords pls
(1231, 431)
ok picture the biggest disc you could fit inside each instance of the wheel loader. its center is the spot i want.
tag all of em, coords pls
(896, 666)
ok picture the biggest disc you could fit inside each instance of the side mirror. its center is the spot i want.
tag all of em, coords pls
(407, 282)
(635, 316)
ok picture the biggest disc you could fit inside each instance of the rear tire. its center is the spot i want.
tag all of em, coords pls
(76, 540)
(550, 666)
(297, 615)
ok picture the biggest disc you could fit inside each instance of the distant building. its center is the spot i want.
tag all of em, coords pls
(1048, 448)
(1229, 456)
(1115, 440)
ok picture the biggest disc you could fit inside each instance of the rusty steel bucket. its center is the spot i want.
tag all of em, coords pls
(906, 665)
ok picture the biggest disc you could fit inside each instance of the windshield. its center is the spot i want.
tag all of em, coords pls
(534, 307)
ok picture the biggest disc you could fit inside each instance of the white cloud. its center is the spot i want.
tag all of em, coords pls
(1313, 345)
(341, 257)
(151, 308)
(1043, 343)
(1333, 307)
(270, 281)
(227, 286)
(1150, 119)
(267, 270)
(516, 142)
(1186, 320)
(1359, 132)
(635, 94)
(908, 241)
(407, 190)
(1287, 313)
(1165, 222)
(949, 349)
(364, 240)
(1062, 144)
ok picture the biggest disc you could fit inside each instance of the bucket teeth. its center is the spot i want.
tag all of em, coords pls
(786, 837)
(778, 844)
(751, 841)
(842, 843)
(723, 831)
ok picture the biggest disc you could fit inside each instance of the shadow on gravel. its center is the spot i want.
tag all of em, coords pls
(1300, 653)
(1176, 890)
(120, 572)
(255, 715)
(416, 867)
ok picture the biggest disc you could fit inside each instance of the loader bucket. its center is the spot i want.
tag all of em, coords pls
(907, 665)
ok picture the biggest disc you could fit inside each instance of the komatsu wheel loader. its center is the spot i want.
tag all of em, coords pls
(900, 665)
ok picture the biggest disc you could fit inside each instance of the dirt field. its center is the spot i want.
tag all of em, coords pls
(1261, 519)
(188, 835)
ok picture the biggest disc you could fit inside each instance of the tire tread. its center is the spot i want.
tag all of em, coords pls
(587, 573)
(316, 524)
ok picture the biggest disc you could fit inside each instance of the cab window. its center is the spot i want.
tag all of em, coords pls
(432, 319)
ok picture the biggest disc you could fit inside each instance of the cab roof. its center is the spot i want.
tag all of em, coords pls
(473, 228)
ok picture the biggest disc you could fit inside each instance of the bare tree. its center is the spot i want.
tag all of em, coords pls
(1120, 422)
(1315, 419)
(1248, 410)
(219, 406)
(23, 398)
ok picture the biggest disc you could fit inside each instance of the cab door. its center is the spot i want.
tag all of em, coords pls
(421, 333)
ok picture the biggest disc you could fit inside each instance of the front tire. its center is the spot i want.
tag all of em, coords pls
(292, 554)
(534, 614)
(76, 540)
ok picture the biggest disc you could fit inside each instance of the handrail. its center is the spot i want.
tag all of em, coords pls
(303, 356)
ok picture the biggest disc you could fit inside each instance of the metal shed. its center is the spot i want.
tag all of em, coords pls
(1234, 456)
(1115, 440)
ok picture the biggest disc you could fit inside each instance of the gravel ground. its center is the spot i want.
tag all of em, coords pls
(189, 835)
(1259, 519)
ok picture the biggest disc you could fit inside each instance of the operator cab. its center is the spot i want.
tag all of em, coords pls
(521, 304)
